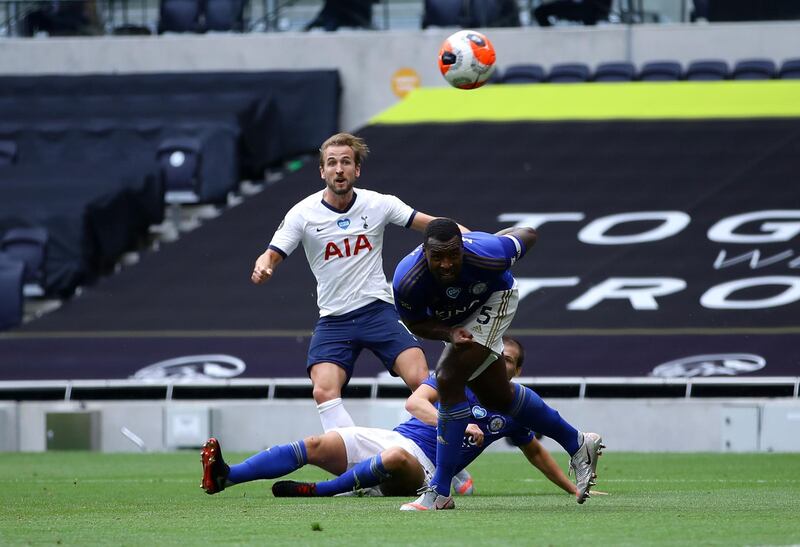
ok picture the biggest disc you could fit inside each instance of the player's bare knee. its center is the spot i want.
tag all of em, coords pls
(413, 381)
(323, 394)
(445, 376)
(450, 383)
(396, 458)
(313, 446)
(412, 367)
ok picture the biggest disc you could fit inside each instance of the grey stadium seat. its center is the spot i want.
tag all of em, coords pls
(754, 69)
(707, 70)
(11, 272)
(523, 74)
(567, 73)
(661, 71)
(790, 69)
(621, 71)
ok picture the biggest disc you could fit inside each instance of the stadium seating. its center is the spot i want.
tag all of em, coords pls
(790, 69)
(567, 73)
(179, 16)
(265, 116)
(93, 212)
(28, 245)
(707, 70)
(224, 15)
(493, 13)
(180, 160)
(660, 71)
(11, 274)
(622, 71)
(442, 13)
(8, 152)
(652, 71)
(470, 13)
(91, 150)
(754, 69)
(523, 74)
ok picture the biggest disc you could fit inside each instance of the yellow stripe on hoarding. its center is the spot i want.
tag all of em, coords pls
(598, 101)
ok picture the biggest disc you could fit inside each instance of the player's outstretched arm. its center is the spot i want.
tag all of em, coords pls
(420, 404)
(527, 236)
(544, 462)
(265, 266)
(433, 329)
(421, 221)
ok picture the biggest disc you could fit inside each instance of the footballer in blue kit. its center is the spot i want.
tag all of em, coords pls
(459, 288)
(485, 270)
(375, 461)
(493, 425)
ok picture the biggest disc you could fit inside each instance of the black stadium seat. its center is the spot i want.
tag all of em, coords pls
(442, 13)
(8, 152)
(224, 15)
(523, 74)
(660, 71)
(621, 71)
(180, 159)
(179, 16)
(790, 69)
(29, 245)
(567, 73)
(754, 69)
(707, 70)
(11, 272)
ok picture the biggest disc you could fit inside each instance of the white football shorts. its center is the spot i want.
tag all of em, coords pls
(491, 321)
(363, 443)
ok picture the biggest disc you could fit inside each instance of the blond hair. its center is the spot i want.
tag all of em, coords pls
(359, 146)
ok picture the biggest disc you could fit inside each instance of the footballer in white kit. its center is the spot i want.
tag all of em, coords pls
(341, 230)
(344, 247)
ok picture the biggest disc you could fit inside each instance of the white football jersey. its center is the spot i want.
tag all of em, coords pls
(343, 248)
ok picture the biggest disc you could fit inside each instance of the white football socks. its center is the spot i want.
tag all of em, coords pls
(333, 414)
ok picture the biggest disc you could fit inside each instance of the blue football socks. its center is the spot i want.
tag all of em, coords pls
(453, 420)
(532, 412)
(363, 475)
(276, 461)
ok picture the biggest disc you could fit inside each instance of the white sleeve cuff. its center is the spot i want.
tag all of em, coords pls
(517, 244)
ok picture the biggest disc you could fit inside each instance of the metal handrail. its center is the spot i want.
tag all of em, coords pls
(374, 384)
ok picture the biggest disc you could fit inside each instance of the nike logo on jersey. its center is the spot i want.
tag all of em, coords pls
(319, 229)
(345, 248)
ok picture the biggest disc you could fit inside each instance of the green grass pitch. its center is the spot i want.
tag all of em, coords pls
(654, 499)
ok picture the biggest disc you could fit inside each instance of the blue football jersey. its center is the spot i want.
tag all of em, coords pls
(495, 426)
(486, 269)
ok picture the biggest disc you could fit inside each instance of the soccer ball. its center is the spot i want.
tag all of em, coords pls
(466, 59)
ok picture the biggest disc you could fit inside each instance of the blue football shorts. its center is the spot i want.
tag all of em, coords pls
(377, 327)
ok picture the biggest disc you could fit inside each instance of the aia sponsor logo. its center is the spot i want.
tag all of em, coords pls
(347, 248)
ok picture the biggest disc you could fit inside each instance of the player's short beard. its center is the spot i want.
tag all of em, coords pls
(340, 192)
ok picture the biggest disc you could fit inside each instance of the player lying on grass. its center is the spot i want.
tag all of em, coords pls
(397, 462)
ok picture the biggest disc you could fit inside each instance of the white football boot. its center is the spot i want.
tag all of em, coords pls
(584, 464)
(429, 500)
